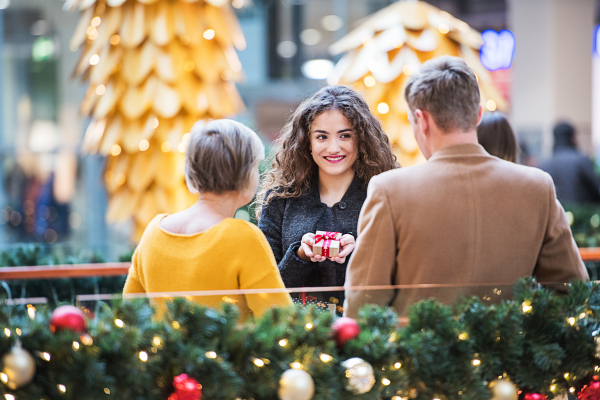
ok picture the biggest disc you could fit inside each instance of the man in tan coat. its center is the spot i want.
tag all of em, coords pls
(464, 222)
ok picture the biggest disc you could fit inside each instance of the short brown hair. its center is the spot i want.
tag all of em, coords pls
(447, 88)
(220, 156)
(497, 137)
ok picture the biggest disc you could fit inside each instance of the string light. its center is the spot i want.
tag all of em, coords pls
(75, 345)
(211, 354)
(7, 332)
(115, 40)
(296, 365)
(31, 311)
(95, 59)
(369, 81)
(383, 108)
(283, 342)
(107, 390)
(62, 388)
(46, 356)
(443, 28)
(144, 145)
(463, 336)
(325, 357)
(156, 341)
(115, 150)
(96, 21)
(566, 375)
(209, 34)
(259, 363)
(4, 377)
(385, 381)
(18, 331)
(119, 323)
(491, 105)
(9, 397)
(571, 321)
(552, 387)
(475, 362)
(571, 390)
(398, 365)
(309, 325)
(175, 325)
(526, 307)
(582, 315)
(143, 356)
(100, 90)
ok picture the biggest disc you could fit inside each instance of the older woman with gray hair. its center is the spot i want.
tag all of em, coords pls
(204, 247)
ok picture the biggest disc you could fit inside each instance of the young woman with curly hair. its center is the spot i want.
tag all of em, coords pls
(323, 161)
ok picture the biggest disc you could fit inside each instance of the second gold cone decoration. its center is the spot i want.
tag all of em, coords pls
(154, 68)
(388, 46)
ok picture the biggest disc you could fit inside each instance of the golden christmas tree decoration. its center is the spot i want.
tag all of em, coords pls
(389, 46)
(154, 68)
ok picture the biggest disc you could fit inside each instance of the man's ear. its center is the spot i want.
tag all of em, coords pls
(479, 115)
(423, 121)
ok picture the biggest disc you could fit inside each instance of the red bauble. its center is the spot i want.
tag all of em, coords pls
(186, 388)
(70, 318)
(344, 329)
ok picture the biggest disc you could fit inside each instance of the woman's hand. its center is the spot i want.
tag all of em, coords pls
(347, 244)
(305, 251)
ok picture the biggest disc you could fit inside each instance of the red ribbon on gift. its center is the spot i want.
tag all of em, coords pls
(327, 237)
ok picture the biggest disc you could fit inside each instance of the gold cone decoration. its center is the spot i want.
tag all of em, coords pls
(388, 46)
(154, 68)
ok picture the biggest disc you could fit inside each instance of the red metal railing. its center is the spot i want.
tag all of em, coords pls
(121, 268)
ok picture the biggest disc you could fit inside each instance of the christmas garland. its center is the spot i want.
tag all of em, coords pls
(540, 344)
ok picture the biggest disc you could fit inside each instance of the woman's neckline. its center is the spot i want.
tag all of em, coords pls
(188, 235)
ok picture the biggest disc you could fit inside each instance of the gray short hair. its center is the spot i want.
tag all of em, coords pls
(447, 88)
(220, 156)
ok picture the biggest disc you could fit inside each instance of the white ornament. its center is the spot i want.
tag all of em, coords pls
(19, 367)
(360, 375)
(296, 384)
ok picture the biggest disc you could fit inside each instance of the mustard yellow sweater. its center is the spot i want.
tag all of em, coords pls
(234, 254)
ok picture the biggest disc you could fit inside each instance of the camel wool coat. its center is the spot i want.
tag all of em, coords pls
(464, 220)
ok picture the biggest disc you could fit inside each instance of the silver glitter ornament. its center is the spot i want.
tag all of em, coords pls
(359, 374)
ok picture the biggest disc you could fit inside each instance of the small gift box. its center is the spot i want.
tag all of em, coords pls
(327, 244)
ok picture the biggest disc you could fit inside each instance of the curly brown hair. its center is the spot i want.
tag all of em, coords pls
(293, 168)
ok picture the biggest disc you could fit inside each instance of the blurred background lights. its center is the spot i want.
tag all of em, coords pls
(596, 41)
(498, 49)
(209, 34)
(310, 37)
(317, 69)
(491, 105)
(42, 49)
(331, 23)
(4, 4)
(287, 49)
(383, 108)
(95, 59)
(369, 81)
(74, 220)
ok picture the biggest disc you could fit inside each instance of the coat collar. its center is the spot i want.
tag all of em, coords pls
(462, 149)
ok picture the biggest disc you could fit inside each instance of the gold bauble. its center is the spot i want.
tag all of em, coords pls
(503, 390)
(19, 367)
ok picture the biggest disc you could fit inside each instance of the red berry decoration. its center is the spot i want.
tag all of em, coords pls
(186, 388)
(534, 396)
(344, 329)
(590, 391)
(69, 318)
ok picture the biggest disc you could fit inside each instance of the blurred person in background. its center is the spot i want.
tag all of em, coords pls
(323, 161)
(496, 136)
(204, 247)
(573, 172)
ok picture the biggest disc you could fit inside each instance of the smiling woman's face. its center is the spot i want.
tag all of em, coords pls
(333, 143)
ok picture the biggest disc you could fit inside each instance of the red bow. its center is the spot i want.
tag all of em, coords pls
(186, 388)
(326, 236)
